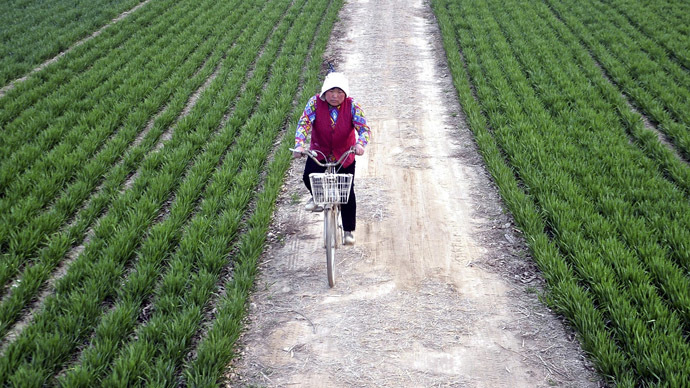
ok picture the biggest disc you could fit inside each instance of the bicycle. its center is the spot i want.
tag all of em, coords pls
(330, 190)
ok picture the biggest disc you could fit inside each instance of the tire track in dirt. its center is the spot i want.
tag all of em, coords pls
(438, 290)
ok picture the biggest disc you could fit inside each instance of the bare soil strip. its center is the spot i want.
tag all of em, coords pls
(439, 290)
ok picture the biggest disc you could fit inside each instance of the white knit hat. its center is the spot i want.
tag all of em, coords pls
(335, 80)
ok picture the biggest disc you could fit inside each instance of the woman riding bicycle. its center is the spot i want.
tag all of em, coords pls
(336, 123)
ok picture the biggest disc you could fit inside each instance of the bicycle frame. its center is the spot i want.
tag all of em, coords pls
(332, 225)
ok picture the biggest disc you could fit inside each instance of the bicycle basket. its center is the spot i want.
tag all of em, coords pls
(330, 188)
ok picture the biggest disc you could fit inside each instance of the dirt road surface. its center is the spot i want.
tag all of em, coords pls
(439, 289)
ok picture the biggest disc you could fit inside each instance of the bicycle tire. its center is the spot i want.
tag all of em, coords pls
(331, 243)
(338, 226)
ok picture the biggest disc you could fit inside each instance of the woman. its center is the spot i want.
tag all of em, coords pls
(336, 123)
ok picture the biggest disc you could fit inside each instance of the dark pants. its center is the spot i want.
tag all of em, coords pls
(348, 210)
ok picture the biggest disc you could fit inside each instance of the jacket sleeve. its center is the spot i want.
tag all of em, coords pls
(360, 123)
(304, 124)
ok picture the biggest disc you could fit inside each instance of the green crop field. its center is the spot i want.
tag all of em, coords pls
(139, 173)
(136, 173)
(555, 92)
(33, 31)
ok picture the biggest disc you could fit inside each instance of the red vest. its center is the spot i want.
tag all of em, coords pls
(334, 141)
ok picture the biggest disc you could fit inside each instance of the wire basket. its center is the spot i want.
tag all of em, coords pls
(330, 188)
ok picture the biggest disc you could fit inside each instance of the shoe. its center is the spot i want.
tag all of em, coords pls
(349, 238)
(312, 207)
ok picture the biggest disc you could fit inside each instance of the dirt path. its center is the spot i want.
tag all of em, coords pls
(438, 290)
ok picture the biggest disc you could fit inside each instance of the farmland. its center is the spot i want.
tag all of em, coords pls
(139, 173)
(132, 190)
(555, 93)
(34, 31)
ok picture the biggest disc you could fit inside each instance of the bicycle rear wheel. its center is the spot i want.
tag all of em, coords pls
(330, 228)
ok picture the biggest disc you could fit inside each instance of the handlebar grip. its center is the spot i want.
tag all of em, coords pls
(304, 152)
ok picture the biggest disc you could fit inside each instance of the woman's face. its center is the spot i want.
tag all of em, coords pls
(335, 96)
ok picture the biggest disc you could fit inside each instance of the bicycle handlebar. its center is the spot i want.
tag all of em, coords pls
(314, 153)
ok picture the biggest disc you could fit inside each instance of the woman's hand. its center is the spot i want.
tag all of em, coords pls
(359, 150)
(297, 153)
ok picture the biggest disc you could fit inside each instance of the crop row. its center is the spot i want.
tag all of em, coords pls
(86, 153)
(215, 349)
(36, 31)
(61, 75)
(31, 229)
(37, 102)
(195, 267)
(30, 135)
(82, 189)
(658, 83)
(606, 227)
(665, 22)
(647, 140)
(120, 204)
(132, 306)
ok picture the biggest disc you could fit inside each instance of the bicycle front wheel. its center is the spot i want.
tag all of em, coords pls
(330, 229)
